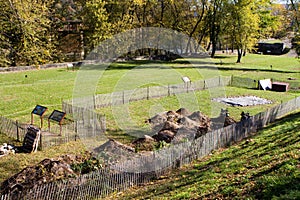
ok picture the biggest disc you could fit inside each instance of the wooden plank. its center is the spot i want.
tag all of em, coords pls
(31, 139)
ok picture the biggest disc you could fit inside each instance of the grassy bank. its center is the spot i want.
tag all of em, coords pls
(267, 166)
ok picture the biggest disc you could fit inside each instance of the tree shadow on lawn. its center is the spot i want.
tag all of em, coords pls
(190, 66)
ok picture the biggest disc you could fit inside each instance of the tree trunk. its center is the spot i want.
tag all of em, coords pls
(208, 46)
(240, 53)
(199, 42)
(195, 28)
(214, 48)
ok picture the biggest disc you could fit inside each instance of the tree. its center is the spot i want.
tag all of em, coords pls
(243, 25)
(295, 7)
(200, 17)
(25, 32)
(5, 27)
(95, 21)
(269, 22)
(215, 21)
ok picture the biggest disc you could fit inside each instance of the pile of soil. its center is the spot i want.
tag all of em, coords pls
(174, 126)
(113, 151)
(48, 170)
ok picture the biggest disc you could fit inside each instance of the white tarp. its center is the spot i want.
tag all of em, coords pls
(265, 84)
(243, 101)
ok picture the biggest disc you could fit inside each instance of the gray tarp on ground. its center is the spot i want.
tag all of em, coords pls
(243, 101)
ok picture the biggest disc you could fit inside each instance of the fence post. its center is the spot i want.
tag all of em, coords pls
(94, 98)
(148, 92)
(219, 80)
(187, 88)
(204, 85)
(231, 80)
(18, 137)
(123, 97)
(41, 142)
(169, 92)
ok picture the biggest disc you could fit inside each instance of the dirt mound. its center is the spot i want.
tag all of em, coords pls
(48, 170)
(113, 151)
(168, 125)
(183, 112)
(144, 144)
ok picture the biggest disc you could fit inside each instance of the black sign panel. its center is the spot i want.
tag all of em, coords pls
(39, 110)
(57, 116)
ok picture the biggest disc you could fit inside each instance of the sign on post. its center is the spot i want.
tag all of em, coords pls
(40, 111)
(57, 116)
(187, 82)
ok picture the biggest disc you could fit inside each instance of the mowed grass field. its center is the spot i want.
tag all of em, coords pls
(22, 91)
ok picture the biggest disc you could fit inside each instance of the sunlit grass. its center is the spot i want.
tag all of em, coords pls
(22, 91)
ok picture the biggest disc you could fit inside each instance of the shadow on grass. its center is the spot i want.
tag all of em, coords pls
(189, 65)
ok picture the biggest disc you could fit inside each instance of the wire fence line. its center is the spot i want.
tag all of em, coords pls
(12, 128)
(94, 124)
(146, 167)
(89, 125)
(126, 96)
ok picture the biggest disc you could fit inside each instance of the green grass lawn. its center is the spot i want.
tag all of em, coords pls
(21, 93)
(265, 167)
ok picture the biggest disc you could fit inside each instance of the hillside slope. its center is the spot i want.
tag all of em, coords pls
(266, 166)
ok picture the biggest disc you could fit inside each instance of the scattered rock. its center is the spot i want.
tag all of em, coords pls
(6, 149)
(243, 101)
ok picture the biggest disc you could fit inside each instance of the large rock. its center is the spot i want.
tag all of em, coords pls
(184, 134)
(113, 151)
(200, 118)
(157, 121)
(172, 126)
(189, 123)
(222, 120)
(183, 112)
